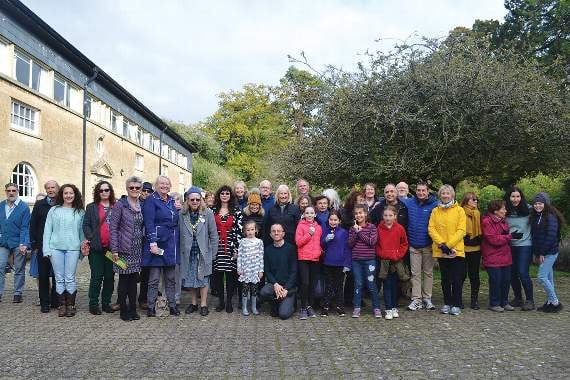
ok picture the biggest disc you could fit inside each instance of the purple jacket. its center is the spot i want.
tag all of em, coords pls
(121, 228)
(337, 251)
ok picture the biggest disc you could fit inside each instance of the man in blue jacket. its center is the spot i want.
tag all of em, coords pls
(14, 238)
(421, 260)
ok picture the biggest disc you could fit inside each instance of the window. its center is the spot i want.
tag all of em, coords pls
(61, 91)
(30, 73)
(23, 175)
(183, 160)
(113, 121)
(125, 127)
(164, 170)
(155, 145)
(165, 149)
(139, 136)
(92, 108)
(139, 162)
(181, 178)
(173, 154)
(4, 58)
(147, 141)
(99, 147)
(24, 117)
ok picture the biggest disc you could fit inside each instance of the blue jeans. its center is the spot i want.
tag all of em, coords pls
(546, 277)
(365, 273)
(499, 283)
(390, 290)
(520, 278)
(19, 269)
(64, 265)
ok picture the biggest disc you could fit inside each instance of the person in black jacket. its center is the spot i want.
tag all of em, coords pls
(96, 230)
(390, 198)
(283, 212)
(48, 296)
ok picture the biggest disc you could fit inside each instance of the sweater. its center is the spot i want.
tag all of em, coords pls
(15, 230)
(418, 220)
(250, 260)
(38, 223)
(288, 217)
(545, 235)
(495, 247)
(280, 264)
(308, 247)
(392, 242)
(363, 242)
(520, 224)
(63, 230)
(447, 226)
(337, 251)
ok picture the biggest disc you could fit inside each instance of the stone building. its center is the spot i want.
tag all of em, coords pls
(42, 79)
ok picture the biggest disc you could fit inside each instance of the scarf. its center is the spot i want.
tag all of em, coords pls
(448, 204)
(473, 227)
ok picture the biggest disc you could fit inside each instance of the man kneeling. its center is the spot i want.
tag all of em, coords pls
(280, 261)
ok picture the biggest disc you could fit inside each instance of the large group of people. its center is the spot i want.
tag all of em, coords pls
(314, 253)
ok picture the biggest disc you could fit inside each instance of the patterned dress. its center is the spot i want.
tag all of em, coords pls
(250, 260)
(192, 275)
(229, 229)
(133, 258)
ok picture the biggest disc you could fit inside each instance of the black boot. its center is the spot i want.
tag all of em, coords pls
(475, 298)
(221, 304)
(229, 307)
(125, 313)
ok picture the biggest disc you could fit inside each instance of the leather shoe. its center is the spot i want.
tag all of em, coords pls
(45, 309)
(204, 311)
(191, 308)
(95, 310)
(174, 311)
(17, 299)
(108, 309)
(115, 306)
(135, 316)
(143, 305)
(151, 313)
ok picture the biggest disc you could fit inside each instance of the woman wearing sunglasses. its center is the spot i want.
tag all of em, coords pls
(472, 241)
(96, 230)
(127, 237)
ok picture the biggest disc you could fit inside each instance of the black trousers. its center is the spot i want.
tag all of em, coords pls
(472, 261)
(452, 275)
(231, 283)
(128, 289)
(334, 281)
(48, 296)
(143, 278)
(308, 272)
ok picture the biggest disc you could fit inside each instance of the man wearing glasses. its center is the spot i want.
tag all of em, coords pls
(14, 238)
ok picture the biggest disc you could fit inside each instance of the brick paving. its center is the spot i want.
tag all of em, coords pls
(419, 344)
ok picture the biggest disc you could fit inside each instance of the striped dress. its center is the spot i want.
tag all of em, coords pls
(229, 229)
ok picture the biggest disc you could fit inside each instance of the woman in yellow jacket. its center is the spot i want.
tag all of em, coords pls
(447, 230)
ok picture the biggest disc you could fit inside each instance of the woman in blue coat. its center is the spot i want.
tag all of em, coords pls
(161, 250)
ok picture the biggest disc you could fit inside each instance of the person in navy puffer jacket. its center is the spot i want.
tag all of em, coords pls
(421, 260)
(337, 261)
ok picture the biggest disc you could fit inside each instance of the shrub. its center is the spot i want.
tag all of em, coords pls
(210, 176)
(487, 194)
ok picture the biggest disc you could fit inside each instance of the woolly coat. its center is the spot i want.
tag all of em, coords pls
(447, 225)
(122, 232)
(495, 247)
(207, 238)
(392, 242)
(308, 247)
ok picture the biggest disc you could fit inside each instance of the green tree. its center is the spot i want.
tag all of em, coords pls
(249, 124)
(441, 110)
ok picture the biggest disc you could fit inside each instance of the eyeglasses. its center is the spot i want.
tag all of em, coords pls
(225, 193)
(147, 191)
(11, 191)
(194, 200)
(475, 199)
(134, 187)
(104, 190)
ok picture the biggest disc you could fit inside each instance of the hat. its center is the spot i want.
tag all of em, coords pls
(542, 198)
(147, 186)
(193, 190)
(254, 198)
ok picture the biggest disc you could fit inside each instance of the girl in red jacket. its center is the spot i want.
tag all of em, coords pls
(391, 249)
(308, 240)
(496, 252)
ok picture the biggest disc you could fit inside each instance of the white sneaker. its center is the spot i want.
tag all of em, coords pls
(415, 305)
(388, 314)
(395, 313)
(428, 305)
(445, 309)
(455, 310)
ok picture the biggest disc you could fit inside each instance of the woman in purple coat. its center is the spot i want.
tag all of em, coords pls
(160, 251)
(126, 240)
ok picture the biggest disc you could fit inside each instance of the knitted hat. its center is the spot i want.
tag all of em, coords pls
(542, 198)
(254, 198)
(193, 190)
(147, 186)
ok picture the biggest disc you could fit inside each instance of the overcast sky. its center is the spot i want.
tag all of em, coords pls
(177, 55)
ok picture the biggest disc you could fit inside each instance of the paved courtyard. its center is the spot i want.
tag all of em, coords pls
(422, 344)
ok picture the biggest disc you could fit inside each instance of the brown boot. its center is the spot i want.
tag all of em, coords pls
(62, 308)
(71, 304)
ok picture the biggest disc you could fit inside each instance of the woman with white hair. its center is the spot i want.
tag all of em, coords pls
(334, 199)
(283, 212)
(447, 226)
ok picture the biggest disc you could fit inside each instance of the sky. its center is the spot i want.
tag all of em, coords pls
(176, 56)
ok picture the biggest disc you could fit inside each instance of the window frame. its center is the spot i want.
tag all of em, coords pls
(22, 128)
(15, 175)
